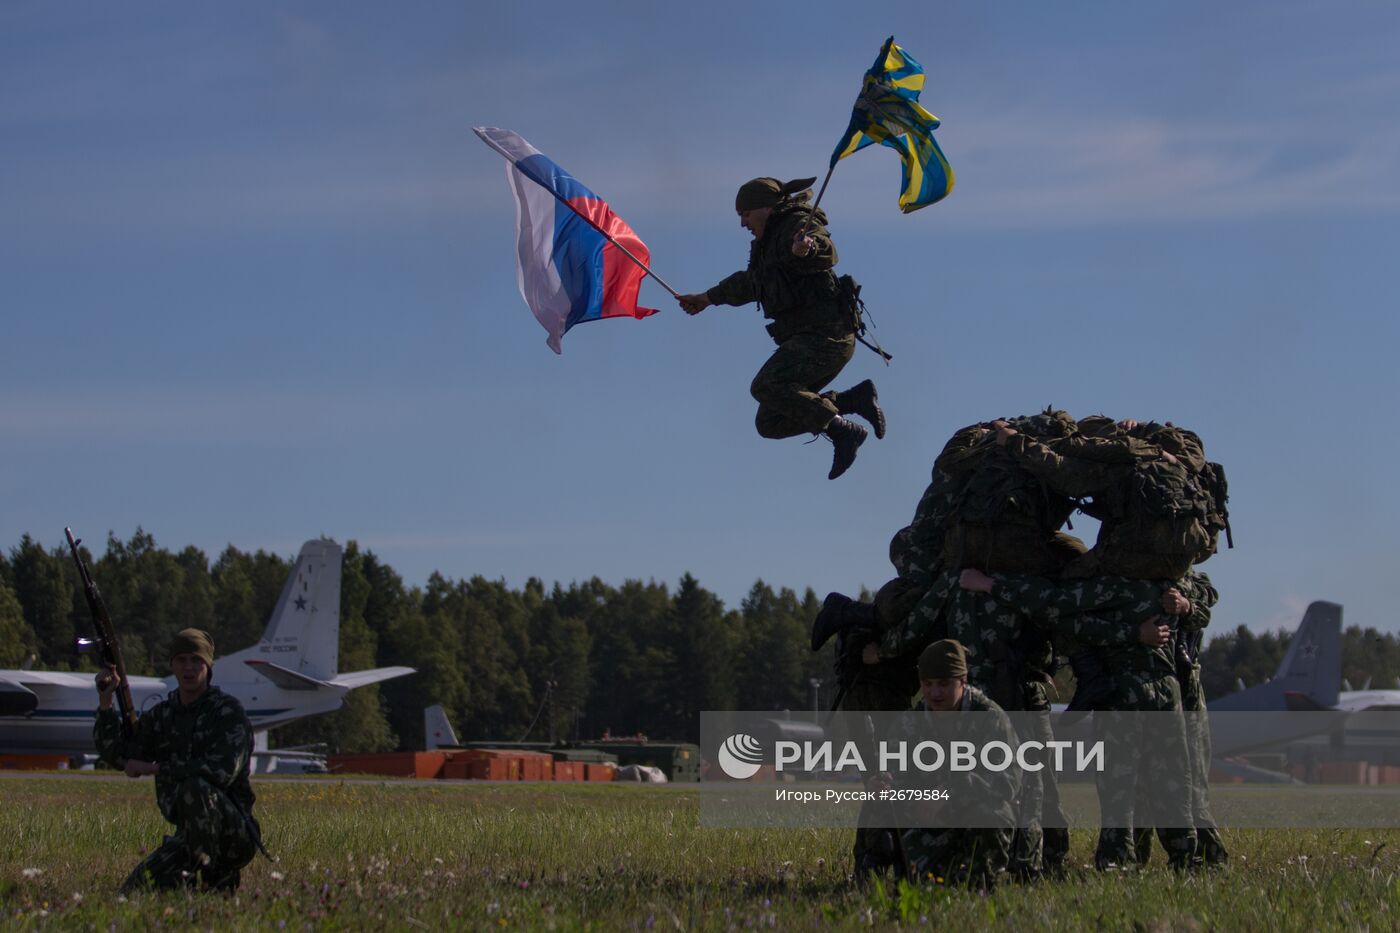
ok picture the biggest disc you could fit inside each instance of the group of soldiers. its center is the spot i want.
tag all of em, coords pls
(991, 593)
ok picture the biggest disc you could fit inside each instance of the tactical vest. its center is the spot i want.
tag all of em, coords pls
(797, 302)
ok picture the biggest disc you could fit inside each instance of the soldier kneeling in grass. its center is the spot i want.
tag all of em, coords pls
(197, 743)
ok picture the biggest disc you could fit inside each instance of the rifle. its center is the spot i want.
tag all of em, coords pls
(105, 643)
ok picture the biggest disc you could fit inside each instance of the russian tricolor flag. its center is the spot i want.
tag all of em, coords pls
(568, 271)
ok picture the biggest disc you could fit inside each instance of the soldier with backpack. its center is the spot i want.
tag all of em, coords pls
(1161, 506)
(815, 320)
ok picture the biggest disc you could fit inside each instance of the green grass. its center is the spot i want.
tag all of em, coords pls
(366, 856)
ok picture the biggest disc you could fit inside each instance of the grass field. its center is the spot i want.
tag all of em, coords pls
(473, 856)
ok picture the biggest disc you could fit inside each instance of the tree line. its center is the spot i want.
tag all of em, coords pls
(557, 661)
(537, 662)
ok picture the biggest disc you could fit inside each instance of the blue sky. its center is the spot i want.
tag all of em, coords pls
(257, 281)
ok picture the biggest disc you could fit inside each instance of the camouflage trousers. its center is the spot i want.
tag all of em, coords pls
(1146, 781)
(1210, 845)
(212, 838)
(976, 857)
(988, 631)
(1042, 839)
(787, 386)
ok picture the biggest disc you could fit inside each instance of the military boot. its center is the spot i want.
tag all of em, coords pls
(847, 436)
(839, 612)
(221, 879)
(861, 400)
(1210, 848)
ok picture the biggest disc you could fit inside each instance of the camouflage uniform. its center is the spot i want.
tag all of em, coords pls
(1107, 612)
(1210, 846)
(1009, 658)
(910, 607)
(815, 335)
(976, 856)
(202, 788)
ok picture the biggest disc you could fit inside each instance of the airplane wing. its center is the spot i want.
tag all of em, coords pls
(286, 678)
(364, 678)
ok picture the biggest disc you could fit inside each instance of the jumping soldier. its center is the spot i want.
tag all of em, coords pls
(814, 320)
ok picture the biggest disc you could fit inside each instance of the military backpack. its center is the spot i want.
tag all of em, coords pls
(1004, 519)
(1168, 519)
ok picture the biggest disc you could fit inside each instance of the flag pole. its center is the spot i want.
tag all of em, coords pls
(817, 203)
(588, 220)
(625, 251)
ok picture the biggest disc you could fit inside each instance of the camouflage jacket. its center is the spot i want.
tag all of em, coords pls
(798, 293)
(1103, 612)
(916, 549)
(989, 796)
(1195, 586)
(210, 739)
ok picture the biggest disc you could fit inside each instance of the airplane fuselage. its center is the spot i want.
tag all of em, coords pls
(67, 707)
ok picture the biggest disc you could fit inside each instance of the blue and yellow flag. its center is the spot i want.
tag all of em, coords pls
(888, 112)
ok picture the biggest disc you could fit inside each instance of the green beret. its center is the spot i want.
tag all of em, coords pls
(768, 192)
(193, 641)
(943, 660)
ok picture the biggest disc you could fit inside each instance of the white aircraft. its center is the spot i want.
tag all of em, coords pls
(1360, 701)
(288, 675)
(1367, 700)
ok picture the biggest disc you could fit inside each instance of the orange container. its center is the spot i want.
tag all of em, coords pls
(455, 766)
(568, 771)
(493, 769)
(1342, 772)
(390, 764)
(536, 766)
(33, 762)
(598, 772)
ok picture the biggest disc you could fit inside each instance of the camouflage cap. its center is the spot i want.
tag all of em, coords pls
(193, 641)
(768, 192)
(943, 660)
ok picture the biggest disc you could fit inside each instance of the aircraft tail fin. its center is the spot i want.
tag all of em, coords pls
(1313, 664)
(1311, 668)
(302, 638)
(437, 731)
